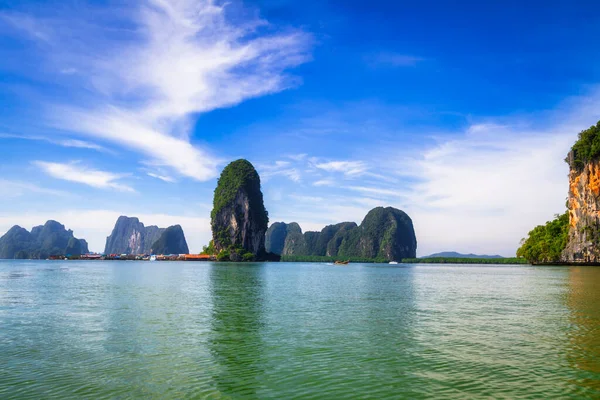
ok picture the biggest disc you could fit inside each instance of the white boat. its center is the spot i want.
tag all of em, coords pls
(393, 262)
(153, 257)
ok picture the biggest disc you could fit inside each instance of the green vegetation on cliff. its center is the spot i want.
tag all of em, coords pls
(239, 219)
(587, 147)
(545, 243)
(240, 175)
(385, 233)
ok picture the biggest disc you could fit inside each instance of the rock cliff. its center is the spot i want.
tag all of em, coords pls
(43, 241)
(275, 238)
(172, 241)
(385, 233)
(583, 244)
(130, 236)
(239, 220)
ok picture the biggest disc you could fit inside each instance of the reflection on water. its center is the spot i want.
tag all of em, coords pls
(281, 331)
(583, 299)
(237, 318)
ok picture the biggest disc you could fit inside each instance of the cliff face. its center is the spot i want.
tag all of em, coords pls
(43, 241)
(295, 244)
(583, 244)
(275, 238)
(239, 219)
(172, 241)
(130, 236)
(385, 233)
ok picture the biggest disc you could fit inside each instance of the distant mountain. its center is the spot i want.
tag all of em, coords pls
(453, 254)
(172, 241)
(130, 236)
(50, 239)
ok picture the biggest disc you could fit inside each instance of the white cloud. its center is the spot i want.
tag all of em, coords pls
(164, 178)
(376, 191)
(95, 225)
(279, 168)
(324, 182)
(75, 172)
(60, 142)
(484, 191)
(178, 59)
(348, 168)
(12, 189)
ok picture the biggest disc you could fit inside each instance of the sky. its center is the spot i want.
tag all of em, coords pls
(459, 113)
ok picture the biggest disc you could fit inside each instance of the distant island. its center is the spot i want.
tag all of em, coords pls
(385, 234)
(42, 242)
(130, 236)
(454, 254)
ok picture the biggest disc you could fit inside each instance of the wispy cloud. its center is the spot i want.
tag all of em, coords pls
(390, 59)
(12, 189)
(178, 59)
(59, 142)
(376, 191)
(348, 168)
(324, 182)
(164, 178)
(75, 172)
(279, 168)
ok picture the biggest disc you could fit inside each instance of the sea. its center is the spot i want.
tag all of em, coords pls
(200, 330)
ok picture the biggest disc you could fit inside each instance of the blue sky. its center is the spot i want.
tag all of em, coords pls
(459, 113)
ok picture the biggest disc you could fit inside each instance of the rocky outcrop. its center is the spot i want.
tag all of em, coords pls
(288, 239)
(583, 244)
(50, 239)
(275, 238)
(295, 243)
(130, 236)
(385, 233)
(239, 220)
(172, 241)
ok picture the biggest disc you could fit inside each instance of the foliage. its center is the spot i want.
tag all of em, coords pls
(236, 254)
(248, 256)
(463, 260)
(587, 146)
(240, 175)
(545, 243)
(210, 249)
(223, 255)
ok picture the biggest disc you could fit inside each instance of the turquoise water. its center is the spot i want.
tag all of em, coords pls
(282, 331)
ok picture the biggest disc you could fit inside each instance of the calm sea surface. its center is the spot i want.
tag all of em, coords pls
(282, 331)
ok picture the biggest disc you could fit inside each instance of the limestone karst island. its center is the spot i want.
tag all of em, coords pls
(277, 199)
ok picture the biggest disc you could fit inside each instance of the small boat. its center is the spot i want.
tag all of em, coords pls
(393, 262)
(342, 262)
